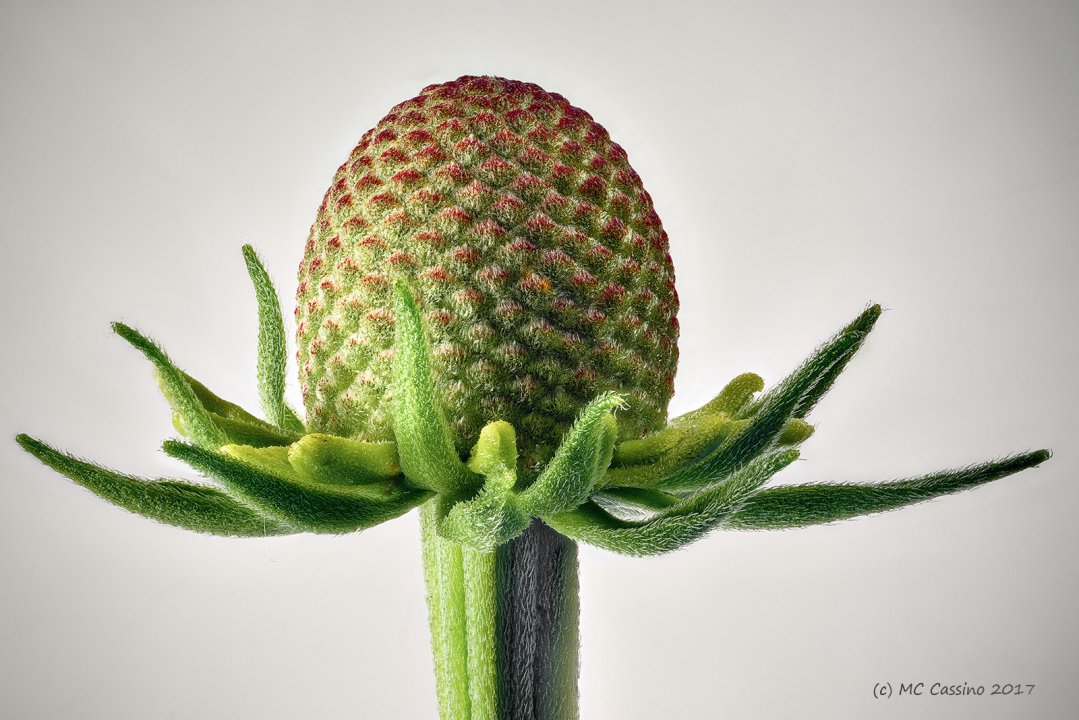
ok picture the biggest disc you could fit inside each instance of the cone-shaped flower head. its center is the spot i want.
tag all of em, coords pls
(534, 253)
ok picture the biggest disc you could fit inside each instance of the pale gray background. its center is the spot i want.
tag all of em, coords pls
(805, 157)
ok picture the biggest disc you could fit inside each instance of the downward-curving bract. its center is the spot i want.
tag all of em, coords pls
(486, 330)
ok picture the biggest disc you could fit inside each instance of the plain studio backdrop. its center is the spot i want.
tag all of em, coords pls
(806, 158)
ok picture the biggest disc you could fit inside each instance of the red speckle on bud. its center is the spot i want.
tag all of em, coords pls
(436, 274)
(572, 149)
(593, 187)
(599, 251)
(429, 156)
(393, 156)
(348, 266)
(446, 109)
(372, 241)
(595, 317)
(492, 275)
(562, 175)
(381, 316)
(456, 215)
(519, 118)
(360, 164)
(452, 174)
(597, 137)
(366, 184)
(399, 221)
(527, 186)
(469, 297)
(488, 230)
(536, 283)
(540, 226)
(585, 375)
(557, 258)
(509, 310)
(485, 123)
(613, 229)
(407, 177)
(430, 237)
(563, 305)
(583, 279)
(418, 137)
(442, 317)
(520, 245)
(383, 201)
(426, 198)
(384, 137)
(413, 118)
(496, 171)
(535, 159)
(450, 130)
(466, 254)
(506, 143)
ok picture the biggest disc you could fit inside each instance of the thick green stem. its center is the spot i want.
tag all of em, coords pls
(504, 625)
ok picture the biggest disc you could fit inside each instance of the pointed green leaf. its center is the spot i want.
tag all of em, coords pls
(771, 414)
(859, 330)
(315, 508)
(424, 442)
(578, 463)
(272, 347)
(192, 507)
(817, 373)
(677, 525)
(193, 417)
(801, 505)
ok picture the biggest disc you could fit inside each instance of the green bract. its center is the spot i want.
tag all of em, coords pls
(704, 470)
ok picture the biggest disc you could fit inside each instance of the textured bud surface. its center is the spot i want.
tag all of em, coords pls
(531, 246)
